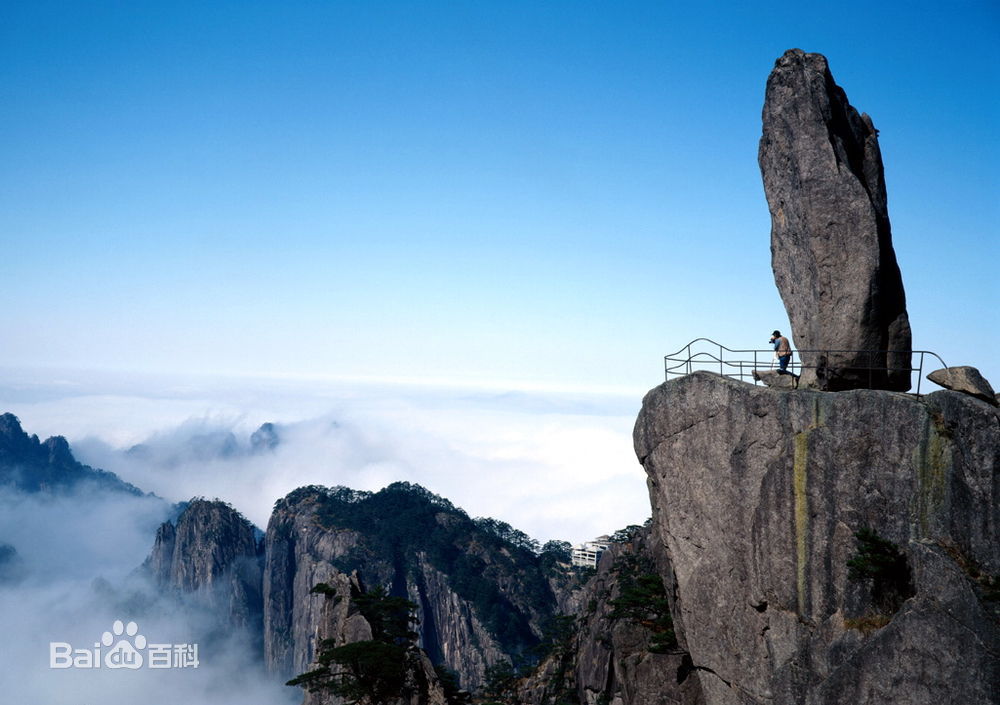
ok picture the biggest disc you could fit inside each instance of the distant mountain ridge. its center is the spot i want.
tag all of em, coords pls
(30, 465)
(193, 442)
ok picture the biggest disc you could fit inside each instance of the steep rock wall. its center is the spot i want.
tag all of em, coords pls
(211, 551)
(450, 632)
(339, 620)
(299, 554)
(615, 663)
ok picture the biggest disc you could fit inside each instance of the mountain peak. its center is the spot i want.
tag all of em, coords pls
(10, 424)
(29, 465)
(264, 438)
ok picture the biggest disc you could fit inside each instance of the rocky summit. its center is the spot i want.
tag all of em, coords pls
(830, 549)
(831, 244)
(481, 598)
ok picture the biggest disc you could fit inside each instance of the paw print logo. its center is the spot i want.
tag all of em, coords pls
(125, 653)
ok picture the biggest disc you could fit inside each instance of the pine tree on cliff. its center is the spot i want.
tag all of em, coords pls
(371, 672)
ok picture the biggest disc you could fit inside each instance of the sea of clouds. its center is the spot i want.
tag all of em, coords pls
(555, 464)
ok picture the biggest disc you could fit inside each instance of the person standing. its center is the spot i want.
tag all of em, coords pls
(783, 349)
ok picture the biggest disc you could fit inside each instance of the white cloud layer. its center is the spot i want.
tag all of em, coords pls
(553, 464)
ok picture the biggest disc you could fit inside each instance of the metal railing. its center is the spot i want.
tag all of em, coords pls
(706, 354)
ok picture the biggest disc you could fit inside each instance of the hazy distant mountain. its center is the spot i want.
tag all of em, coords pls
(265, 438)
(11, 567)
(193, 443)
(30, 465)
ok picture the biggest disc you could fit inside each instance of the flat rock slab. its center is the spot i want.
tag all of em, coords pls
(772, 378)
(964, 379)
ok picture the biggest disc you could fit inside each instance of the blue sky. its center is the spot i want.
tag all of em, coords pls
(509, 193)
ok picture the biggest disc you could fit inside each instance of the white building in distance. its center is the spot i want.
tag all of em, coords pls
(588, 554)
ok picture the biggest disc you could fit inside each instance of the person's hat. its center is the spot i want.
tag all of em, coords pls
(776, 333)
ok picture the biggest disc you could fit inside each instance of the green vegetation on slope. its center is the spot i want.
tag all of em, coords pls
(883, 569)
(643, 600)
(493, 566)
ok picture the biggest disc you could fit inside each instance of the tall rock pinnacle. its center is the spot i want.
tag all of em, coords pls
(211, 550)
(831, 244)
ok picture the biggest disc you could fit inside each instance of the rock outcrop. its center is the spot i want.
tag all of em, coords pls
(771, 378)
(831, 244)
(757, 496)
(964, 379)
(211, 552)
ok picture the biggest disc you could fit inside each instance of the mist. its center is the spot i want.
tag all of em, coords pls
(77, 558)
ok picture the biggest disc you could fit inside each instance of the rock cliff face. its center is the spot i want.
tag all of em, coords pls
(299, 554)
(339, 620)
(212, 552)
(454, 634)
(612, 658)
(757, 496)
(479, 599)
(831, 244)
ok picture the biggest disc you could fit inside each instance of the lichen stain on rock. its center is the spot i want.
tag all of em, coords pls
(933, 463)
(817, 416)
(799, 488)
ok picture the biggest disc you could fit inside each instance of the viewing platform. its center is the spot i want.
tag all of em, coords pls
(708, 355)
